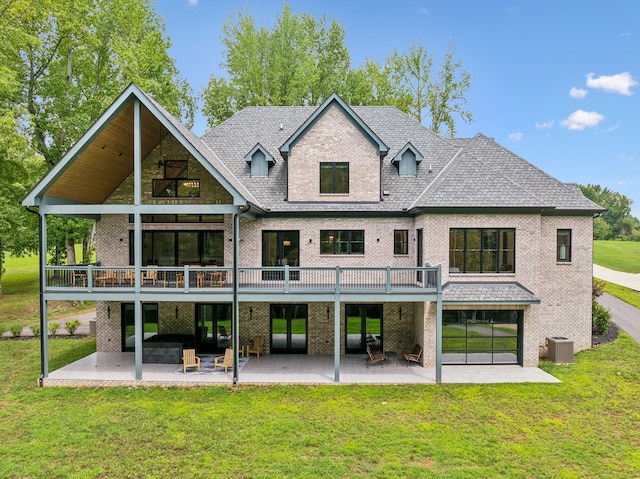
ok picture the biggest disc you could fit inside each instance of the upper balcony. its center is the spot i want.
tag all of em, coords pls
(111, 282)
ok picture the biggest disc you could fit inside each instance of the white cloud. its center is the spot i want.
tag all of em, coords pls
(580, 119)
(578, 92)
(545, 125)
(192, 2)
(620, 83)
(626, 157)
(623, 182)
(516, 136)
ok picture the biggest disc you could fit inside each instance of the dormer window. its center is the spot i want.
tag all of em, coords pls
(407, 160)
(260, 161)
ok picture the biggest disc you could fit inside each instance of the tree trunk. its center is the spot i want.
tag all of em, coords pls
(71, 251)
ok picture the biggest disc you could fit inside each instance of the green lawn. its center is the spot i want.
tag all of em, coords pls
(618, 255)
(19, 303)
(588, 426)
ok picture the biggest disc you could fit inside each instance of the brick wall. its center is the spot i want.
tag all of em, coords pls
(334, 138)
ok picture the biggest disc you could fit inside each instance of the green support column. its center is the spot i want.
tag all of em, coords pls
(336, 337)
(137, 201)
(439, 326)
(44, 315)
(235, 333)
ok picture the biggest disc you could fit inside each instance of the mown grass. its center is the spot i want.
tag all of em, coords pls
(627, 295)
(588, 426)
(617, 255)
(19, 304)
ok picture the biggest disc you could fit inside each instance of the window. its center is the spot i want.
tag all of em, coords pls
(176, 182)
(481, 250)
(175, 248)
(401, 242)
(564, 246)
(334, 177)
(179, 218)
(342, 242)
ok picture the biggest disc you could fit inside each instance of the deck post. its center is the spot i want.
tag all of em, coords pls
(235, 323)
(44, 315)
(336, 337)
(439, 325)
(137, 201)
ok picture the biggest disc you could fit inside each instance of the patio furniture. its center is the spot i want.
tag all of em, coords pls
(225, 361)
(222, 331)
(414, 355)
(104, 277)
(256, 346)
(374, 357)
(150, 274)
(78, 276)
(190, 360)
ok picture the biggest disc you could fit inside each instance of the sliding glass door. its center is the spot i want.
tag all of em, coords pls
(127, 323)
(289, 328)
(363, 327)
(213, 327)
(280, 248)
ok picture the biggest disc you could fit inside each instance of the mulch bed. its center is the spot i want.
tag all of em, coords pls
(610, 335)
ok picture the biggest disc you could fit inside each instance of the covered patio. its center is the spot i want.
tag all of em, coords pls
(118, 369)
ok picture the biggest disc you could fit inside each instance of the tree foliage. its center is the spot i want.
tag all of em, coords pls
(302, 60)
(617, 222)
(62, 63)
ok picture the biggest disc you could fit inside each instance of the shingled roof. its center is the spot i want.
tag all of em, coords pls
(454, 173)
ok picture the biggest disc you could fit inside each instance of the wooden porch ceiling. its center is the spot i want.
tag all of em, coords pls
(108, 159)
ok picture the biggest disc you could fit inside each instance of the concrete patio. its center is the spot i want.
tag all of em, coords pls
(117, 369)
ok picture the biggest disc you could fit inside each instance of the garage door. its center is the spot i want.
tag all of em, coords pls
(482, 337)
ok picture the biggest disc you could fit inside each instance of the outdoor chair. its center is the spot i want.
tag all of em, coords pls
(225, 361)
(190, 360)
(414, 355)
(78, 277)
(374, 357)
(150, 274)
(256, 346)
(222, 331)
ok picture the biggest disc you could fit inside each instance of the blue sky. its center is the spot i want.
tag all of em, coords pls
(556, 82)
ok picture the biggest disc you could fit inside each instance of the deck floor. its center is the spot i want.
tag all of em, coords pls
(118, 369)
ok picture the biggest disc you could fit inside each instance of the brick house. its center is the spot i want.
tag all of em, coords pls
(321, 229)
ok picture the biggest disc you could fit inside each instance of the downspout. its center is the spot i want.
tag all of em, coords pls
(43, 323)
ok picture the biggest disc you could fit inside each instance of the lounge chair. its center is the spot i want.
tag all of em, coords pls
(414, 355)
(225, 361)
(222, 331)
(374, 357)
(256, 346)
(190, 360)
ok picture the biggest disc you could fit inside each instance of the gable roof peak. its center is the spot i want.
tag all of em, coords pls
(334, 100)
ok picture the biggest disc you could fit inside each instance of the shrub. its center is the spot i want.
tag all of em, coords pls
(16, 330)
(53, 328)
(72, 326)
(597, 288)
(35, 329)
(600, 317)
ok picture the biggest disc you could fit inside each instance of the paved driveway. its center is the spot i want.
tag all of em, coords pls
(623, 314)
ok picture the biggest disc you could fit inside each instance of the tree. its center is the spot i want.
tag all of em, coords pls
(18, 163)
(71, 58)
(301, 61)
(620, 223)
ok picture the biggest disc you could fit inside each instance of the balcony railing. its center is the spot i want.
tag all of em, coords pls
(250, 279)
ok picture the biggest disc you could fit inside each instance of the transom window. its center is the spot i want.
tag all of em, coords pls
(563, 246)
(342, 241)
(176, 182)
(334, 177)
(401, 242)
(482, 250)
